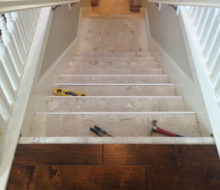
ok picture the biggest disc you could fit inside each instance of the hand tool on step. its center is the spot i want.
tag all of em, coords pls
(155, 128)
(63, 92)
(102, 131)
(95, 132)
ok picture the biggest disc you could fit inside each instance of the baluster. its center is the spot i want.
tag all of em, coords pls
(16, 39)
(9, 43)
(205, 22)
(210, 28)
(7, 86)
(21, 30)
(32, 19)
(3, 110)
(198, 21)
(214, 49)
(3, 96)
(214, 34)
(3, 123)
(26, 27)
(8, 66)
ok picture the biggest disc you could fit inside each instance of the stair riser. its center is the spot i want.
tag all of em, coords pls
(123, 90)
(107, 71)
(114, 79)
(60, 104)
(113, 58)
(120, 125)
(115, 54)
(111, 64)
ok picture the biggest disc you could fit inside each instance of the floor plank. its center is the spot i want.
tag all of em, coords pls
(149, 155)
(69, 177)
(58, 154)
(162, 155)
(183, 178)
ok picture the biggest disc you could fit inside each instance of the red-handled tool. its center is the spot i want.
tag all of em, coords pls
(162, 131)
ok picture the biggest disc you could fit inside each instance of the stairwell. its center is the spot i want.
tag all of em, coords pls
(126, 86)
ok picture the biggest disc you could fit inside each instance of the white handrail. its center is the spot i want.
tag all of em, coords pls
(15, 5)
(211, 45)
(209, 3)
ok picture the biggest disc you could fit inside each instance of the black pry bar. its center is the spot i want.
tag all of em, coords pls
(95, 132)
(102, 130)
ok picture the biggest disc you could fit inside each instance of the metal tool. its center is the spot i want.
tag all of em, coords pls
(155, 128)
(102, 131)
(95, 132)
(63, 92)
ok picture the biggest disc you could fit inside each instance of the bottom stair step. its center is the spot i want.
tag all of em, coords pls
(118, 124)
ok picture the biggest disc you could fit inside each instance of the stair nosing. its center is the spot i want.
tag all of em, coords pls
(137, 75)
(113, 84)
(93, 97)
(116, 113)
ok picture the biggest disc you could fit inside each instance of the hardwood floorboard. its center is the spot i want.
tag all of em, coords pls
(161, 155)
(59, 177)
(59, 154)
(183, 178)
(115, 167)
(149, 155)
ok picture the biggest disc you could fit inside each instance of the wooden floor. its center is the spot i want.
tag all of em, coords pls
(113, 167)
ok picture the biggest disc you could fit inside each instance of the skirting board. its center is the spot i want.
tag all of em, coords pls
(185, 86)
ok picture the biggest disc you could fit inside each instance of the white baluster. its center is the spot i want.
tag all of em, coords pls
(28, 25)
(26, 28)
(205, 21)
(21, 30)
(9, 43)
(8, 106)
(15, 37)
(8, 66)
(210, 29)
(3, 110)
(3, 124)
(8, 91)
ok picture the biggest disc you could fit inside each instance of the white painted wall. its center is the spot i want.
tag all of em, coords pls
(166, 31)
(166, 42)
(63, 31)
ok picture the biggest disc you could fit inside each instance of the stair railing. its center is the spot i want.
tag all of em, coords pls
(17, 30)
(207, 24)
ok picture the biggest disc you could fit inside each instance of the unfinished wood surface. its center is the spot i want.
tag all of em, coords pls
(122, 167)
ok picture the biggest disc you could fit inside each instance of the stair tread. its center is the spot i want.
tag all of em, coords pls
(112, 64)
(119, 71)
(116, 123)
(111, 104)
(122, 89)
(113, 78)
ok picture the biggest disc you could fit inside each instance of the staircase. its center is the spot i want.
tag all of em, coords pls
(125, 84)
